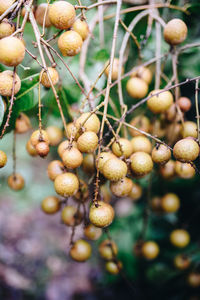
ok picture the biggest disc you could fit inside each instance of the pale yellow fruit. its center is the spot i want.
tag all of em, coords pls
(150, 250)
(92, 232)
(81, 251)
(72, 158)
(70, 43)
(114, 69)
(12, 51)
(137, 88)
(31, 149)
(103, 157)
(141, 163)
(175, 32)
(6, 28)
(122, 147)
(184, 170)
(88, 164)
(161, 102)
(92, 123)
(170, 203)
(66, 184)
(81, 27)
(144, 73)
(55, 135)
(38, 136)
(167, 171)
(101, 216)
(62, 14)
(40, 13)
(140, 122)
(136, 192)
(3, 159)
(87, 142)
(186, 150)
(141, 143)
(50, 205)
(65, 145)
(161, 154)
(182, 262)
(53, 75)
(122, 187)
(108, 249)
(189, 128)
(5, 4)
(71, 216)
(113, 268)
(180, 238)
(55, 168)
(114, 169)
(6, 83)
(72, 131)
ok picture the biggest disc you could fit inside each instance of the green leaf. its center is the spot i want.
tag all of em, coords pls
(1, 110)
(101, 55)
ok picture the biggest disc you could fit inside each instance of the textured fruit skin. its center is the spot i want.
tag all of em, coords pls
(3, 159)
(55, 135)
(161, 154)
(6, 28)
(141, 163)
(181, 262)
(114, 70)
(122, 187)
(72, 131)
(167, 171)
(92, 232)
(62, 14)
(6, 83)
(144, 74)
(103, 158)
(114, 169)
(88, 164)
(66, 184)
(124, 149)
(31, 149)
(70, 43)
(4, 5)
(39, 15)
(55, 168)
(108, 249)
(175, 32)
(53, 75)
(12, 51)
(186, 150)
(137, 88)
(92, 123)
(72, 158)
(81, 27)
(184, 170)
(65, 145)
(36, 137)
(101, 216)
(159, 103)
(150, 250)
(184, 104)
(179, 238)
(87, 142)
(140, 122)
(22, 124)
(16, 182)
(141, 143)
(50, 205)
(42, 149)
(170, 203)
(70, 216)
(194, 279)
(81, 251)
(113, 267)
(189, 129)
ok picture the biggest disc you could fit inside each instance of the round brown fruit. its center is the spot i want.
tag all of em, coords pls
(70, 43)
(64, 146)
(22, 124)
(115, 169)
(159, 103)
(194, 279)
(184, 104)
(161, 154)
(122, 187)
(143, 73)
(122, 147)
(6, 28)
(4, 5)
(158, 128)
(92, 232)
(141, 163)
(6, 83)
(66, 184)
(171, 113)
(150, 250)
(179, 238)
(136, 192)
(137, 88)
(141, 143)
(186, 150)
(170, 203)
(53, 75)
(71, 131)
(40, 14)
(3, 159)
(108, 249)
(88, 163)
(72, 158)
(101, 216)
(81, 251)
(156, 204)
(184, 170)
(103, 158)
(113, 267)
(140, 122)
(81, 27)
(182, 262)
(92, 123)
(62, 14)
(114, 69)
(87, 142)
(12, 51)
(83, 192)
(16, 182)
(38, 137)
(189, 129)
(50, 205)
(31, 149)
(55, 168)
(71, 216)
(167, 171)
(55, 135)
(42, 149)
(175, 32)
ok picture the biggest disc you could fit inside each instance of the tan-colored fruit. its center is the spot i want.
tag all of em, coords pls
(101, 216)
(194, 279)
(92, 232)
(184, 104)
(140, 122)
(40, 14)
(122, 147)
(22, 124)
(42, 149)
(53, 75)
(12, 51)
(137, 88)
(156, 204)
(72, 131)
(136, 192)
(114, 169)
(170, 203)
(171, 113)
(173, 132)
(92, 123)
(105, 193)
(66, 184)
(6, 83)
(81, 27)
(159, 103)
(114, 69)
(55, 168)
(3, 159)
(189, 128)
(113, 267)
(186, 150)
(50, 205)
(62, 14)
(16, 182)
(150, 250)
(31, 149)
(88, 163)
(55, 135)
(64, 146)
(38, 137)
(141, 163)
(175, 32)
(81, 251)
(184, 170)
(122, 187)
(6, 28)
(143, 73)
(158, 128)
(179, 238)
(103, 157)
(4, 5)
(72, 158)
(108, 249)
(161, 154)
(168, 170)
(83, 192)
(70, 43)
(141, 143)
(71, 216)
(87, 142)
(182, 262)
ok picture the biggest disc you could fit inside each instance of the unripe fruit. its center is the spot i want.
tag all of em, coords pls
(122, 147)
(108, 249)
(71, 216)
(143, 73)
(168, 170)
(70, 43)
(189, 129)
(140, 122)
(114, 69)
(186, 150)
(6, 83)
(179, 238)
(170, 203)
(184, 104)
(141, 163)
(3, 159)
(40, 13)
(4, 5)
(72, 158)
(136, 88)
(175, 32)
(12, 51)
(122, 187)
(22, 123)
(182, 262)
(53, 75)
(81, 251)
(136, 192)
(114, 169)
(64, 146)
(194, 279)
(37, 137)
(81, 27)
(50, 205)
(150, 250)
(92, 123)
(66, 184)
(141, 143)
(88, 164)
(72, 131)
(16, 182)
(161, 102)
(184, 170)
(113, 267)
(92, 232)
(103, 158)
(55, 135)
(6, 28)
(42, 149)
(161, 154)
(101, 216)
(87, 142)
(62, 14)
(31, 149)
(55, 168)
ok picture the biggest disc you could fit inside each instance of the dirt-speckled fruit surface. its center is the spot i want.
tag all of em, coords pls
(66, 184)
(186, 150)
(101, 216)
(62, 14)
(175, 32)
(12, 51)
(87, 142)
(114, 169)
(70, 43)
(141, 163)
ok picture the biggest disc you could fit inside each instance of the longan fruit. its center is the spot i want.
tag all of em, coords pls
(38, 137)
(72, 158)
(103, 157)
(31, 149)
(62, 14)
(92, 232)
(55, 135)
(167, 171)
(83, 192)
(137, 88)
(42, 149)
(81, 251)
(3, 159)
(159, 103)
(156, 204)
(70, 43)
(141, 163)
(175, 32)
(141, 143)
(170, 203)
(184, 104)
(87, 142)
(6, 83)
(158, 128)
(184, 170)
(53, 75)
(179, 238)
(40, 13)
(108, 249)
(55, 168)
(115, 69)
(105, 193)
(189, 129)
(122, 147)
(115, 169)
(66, 184)
(65, 145)
(71, 216)
(92, 123)
(72, 131)
(144, 73)
(161, 154)
(194, 279)
(81, 27)
(150, 250)
(88, 163)
(5, 4)
(12, 51)
(50, 205)
(171, 113)
(22, 124)
(182, 262)
(122, 187)
(16, 182)
(140, 122)
(186, 150)
(6, 28)
(101, 216)
(113, 267)
(136, 192)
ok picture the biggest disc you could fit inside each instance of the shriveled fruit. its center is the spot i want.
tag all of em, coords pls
(88, 163)
(40, 14)
(55, 168)
(4, 5)
(92, 123)
(70, 43)
(101, 216)
(115, 69)
(50, 205)
(141, 163)
(65, 145)
(186, 150)
(136, 192)
(3, 159)
(189, 129)
(6, 28)
(38, 136)
(81, 251)
(182, 262)
(175, 32)
(42, 149)
(71, 216)
(141, 143)
(6, 83)
(143, 73)
(179, 238)
(140, 122)
(92, 232)
(16, 182)
(55, 135)
(31, 149)
(62, 14)
(194, 279)
(81, 27)
(12, 51)
(184, 104)
(72, 158)
(170, 203)
(161, 154)
(115, 169)
(108, 249)
(22, 124)
(122, 187)
(122, 147)
(161, 102)
(87, 142)
(168, 170)
(137, 88)
(184, 170)
(53, 75)
(113, 267)
(66, 184)
(150, 250)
